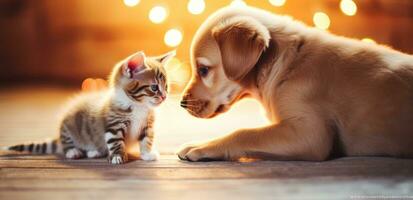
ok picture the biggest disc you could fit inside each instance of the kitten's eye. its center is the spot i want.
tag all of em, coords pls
(203, 71)
(154, 88)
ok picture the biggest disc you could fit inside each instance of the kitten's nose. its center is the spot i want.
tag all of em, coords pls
(184, 103)
(163, 97)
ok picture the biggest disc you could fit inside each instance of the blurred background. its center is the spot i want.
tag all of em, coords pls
(65, 41)
(47, 47)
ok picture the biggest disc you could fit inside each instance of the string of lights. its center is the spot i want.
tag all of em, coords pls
(174, 36)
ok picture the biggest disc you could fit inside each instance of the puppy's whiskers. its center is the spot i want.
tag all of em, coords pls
(191, 100)
(190, 106)
(192, 112)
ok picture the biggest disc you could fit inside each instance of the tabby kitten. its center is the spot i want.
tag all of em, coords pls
(106, 123)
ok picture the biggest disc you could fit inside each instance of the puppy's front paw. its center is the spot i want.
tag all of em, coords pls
(151, 156)
(197, 153)
(117, 159)
(181, 153)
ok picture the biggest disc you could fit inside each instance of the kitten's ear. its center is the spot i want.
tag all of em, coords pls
(163, 59)
(134, 64)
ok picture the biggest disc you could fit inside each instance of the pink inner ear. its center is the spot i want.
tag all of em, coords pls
(136, 62)
(132, 65)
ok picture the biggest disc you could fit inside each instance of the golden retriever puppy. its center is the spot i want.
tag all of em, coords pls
(325, 95)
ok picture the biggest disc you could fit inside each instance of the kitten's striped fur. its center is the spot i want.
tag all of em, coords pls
(106, 123)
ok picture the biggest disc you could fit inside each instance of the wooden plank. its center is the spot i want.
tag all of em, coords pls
(171, 168)
(174, 173)
(137, 173)
(200, 189)
(383, 163)
(128, 184)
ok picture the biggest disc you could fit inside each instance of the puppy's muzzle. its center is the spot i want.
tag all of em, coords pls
(184, 103)
(192, 105)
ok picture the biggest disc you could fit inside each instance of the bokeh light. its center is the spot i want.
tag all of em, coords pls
(238, 3)
(348, 7)
(196, 7)
(158, 14)
(173, 37)
(369, 40)
(131, 3)
(91, 84)
(321, 20)
(178, 74)
(277, 3)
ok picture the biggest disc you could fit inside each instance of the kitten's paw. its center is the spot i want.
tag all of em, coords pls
(74, 154)
(117, 159)
(94, 154)
(151, 156)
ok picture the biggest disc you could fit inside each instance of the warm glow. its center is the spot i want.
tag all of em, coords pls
(173, 37)
(348, 7)
(175, 126)
(238, 3)
(178, 73)
(158, 14)
(91, 84)
(196, 7)
(277, 2)
(133, 149)
(368, 40)
(321, 20)
(131, 3)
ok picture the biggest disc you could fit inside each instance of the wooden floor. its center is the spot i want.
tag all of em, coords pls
(28, 114)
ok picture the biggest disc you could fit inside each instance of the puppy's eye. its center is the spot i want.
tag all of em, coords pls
(154, 88)
(203, 71)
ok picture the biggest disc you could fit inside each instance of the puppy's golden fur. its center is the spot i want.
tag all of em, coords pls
(325, 95)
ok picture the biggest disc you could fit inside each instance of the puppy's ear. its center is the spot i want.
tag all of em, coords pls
(241, 41)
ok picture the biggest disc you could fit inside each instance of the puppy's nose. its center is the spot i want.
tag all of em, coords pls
(184, 103)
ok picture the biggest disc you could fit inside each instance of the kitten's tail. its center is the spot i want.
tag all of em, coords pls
(46, 147)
